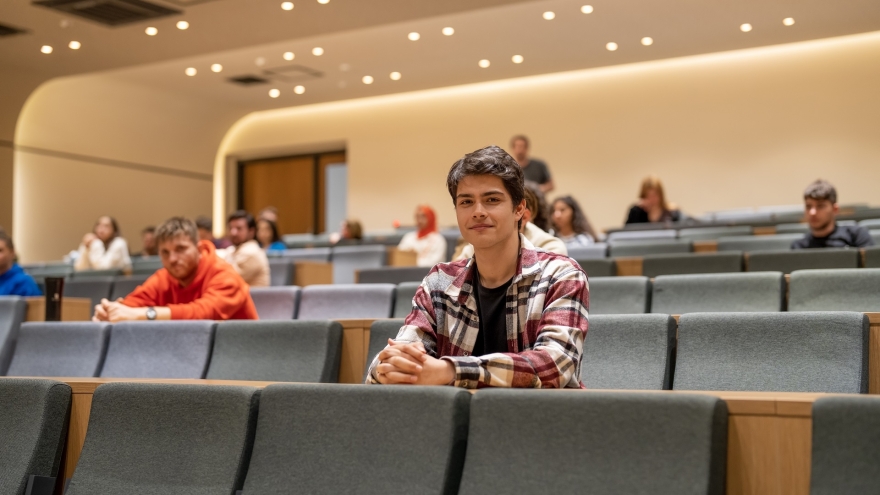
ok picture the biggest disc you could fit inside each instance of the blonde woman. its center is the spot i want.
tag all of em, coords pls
(103, 248)
(652, 205)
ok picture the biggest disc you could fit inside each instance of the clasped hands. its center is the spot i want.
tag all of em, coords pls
(409, 363)
(115, 311)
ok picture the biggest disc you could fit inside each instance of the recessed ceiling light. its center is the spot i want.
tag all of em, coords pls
(182, 25)
(448, 31)
(413, 36)
(260, 61)
(151, 31)
(75, 45)
(517, 59)
(788, 21)
(549, 15)
(323, 2)
(274, 93)
(317, 51)
(483, 63)
(287, 5)
(395, 76)
(288, 56)
(299, 89)
(745, 28)
(46, 49)
(216, 68)
(611, 46)
(367, 79)
(587, 9)
(647, 41)
(191, 71)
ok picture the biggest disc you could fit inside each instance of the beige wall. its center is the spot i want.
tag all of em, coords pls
(738, 129)
(96, 145)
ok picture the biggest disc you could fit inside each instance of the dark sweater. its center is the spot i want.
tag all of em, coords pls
(639, 215)
(842, 236)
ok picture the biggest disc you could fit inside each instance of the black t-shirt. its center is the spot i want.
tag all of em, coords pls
(536, 171)
(491, 305)
(638, 215)
(842, 236)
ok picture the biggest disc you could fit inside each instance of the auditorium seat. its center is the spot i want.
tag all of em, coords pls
(92, 274)
(332, 302)
(145, 266)
(349, 259)
(712, 233)
(380, 332)
(718, 292)
(778, 352)
(802, 259)
(276, 303)
(679, 264)
(282, 351)
(870, 223)
(280, 271)
(392, 238)
(123, 286)
(857, 289)
(60, 349)
(51, 270)
(629, 352)
(593, 251)
(872, 257)
(321, 254)
(793, 228)
(845, 452)
(606, 267)
(631, 235)
(620, 295)
(642, 248)
(392, 274)
(33, 427)
(158, 439)
(159, 349)
(332, 439)
(875, 235)
(778, 242)
(536, 442)
(92, 288)
(12, 312)
(452, 236)
(403, 299)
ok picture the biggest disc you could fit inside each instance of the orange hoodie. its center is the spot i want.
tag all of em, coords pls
(217, 292)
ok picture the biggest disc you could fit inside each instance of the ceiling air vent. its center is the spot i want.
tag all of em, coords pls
(109, 12)
(248, 80)
(10, 31)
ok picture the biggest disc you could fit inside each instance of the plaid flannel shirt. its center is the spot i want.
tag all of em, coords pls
(547, 319)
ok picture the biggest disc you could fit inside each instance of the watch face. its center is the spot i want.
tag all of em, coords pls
(151, 314)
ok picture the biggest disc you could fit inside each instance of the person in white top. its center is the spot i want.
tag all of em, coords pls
(570, 224)
(103, 248)
(429, 245)
(245, 254)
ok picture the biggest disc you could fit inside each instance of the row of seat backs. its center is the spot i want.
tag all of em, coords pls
(346, 260)
(808, 290)
(325, 302)
(295, 351)
(330, 439)
(779, 352)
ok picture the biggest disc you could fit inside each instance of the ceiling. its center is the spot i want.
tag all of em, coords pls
(369, 38)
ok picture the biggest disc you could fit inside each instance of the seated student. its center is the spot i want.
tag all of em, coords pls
(103, 248)
(540, 215)
(268, 213)
(652, 205)
(245, 254)
(535, 235)
(350, 232)
(193, 285)
(429, 245)
(820, 205)
(511, 316)
(148, 241)
(13, 280)
(570, 224)
(206, 233)
(267, 236)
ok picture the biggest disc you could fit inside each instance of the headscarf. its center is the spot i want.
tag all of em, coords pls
(432, 220)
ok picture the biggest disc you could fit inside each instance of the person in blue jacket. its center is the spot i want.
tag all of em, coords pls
(13, 280)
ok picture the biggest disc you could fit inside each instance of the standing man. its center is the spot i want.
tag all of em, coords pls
(533, 169)
(13, 280)
(245, 254)
(511, 316)
(821, 208)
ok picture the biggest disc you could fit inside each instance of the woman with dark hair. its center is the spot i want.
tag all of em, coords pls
(570, 224)
(103, 248)
(428, 244)
(541, 215)
(267, 236)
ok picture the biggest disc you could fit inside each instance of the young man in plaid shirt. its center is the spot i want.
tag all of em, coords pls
(511, 316)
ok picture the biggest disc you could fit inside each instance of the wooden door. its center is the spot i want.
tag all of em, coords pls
(285, 183)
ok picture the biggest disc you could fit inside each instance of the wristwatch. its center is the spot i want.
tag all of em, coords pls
(151, 313)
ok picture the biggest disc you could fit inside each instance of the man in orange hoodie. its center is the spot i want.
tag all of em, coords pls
(194, 284)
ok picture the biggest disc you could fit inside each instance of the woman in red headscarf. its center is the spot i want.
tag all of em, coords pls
(429, 245)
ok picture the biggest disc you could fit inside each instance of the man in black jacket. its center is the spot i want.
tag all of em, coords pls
(820, 204)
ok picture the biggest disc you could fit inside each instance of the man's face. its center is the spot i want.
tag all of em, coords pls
(179, 256)
(520, 149)
(6, 257)
(239, 233)
(485, 212)
(820, 213)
